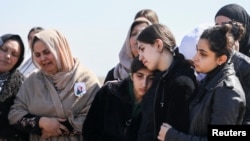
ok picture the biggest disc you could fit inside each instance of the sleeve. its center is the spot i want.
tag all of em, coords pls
(93, 125)
(182, 89)
(30, 124)
(246, 87)
(174, 135)
(227, 107)
(19, 109)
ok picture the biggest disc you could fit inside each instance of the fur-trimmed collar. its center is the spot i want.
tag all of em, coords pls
(11, 86)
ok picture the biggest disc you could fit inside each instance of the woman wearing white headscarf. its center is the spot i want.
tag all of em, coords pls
(48, 105)
(128, 51)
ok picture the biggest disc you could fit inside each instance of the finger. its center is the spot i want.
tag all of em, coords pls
(59, 132)
(61, 119)
(159, 138)
(65, 129)
(164, 124)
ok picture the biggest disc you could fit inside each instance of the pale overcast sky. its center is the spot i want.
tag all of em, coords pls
(96, 29)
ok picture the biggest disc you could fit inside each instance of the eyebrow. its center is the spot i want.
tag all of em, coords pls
(201, 50)
(139, 47)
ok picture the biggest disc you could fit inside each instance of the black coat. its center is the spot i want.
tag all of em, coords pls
(110, 117)
(7, 96)
(168, 101)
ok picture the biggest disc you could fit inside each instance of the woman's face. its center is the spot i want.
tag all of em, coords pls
(221, 20)
(132, 40)
(44, 58)
(149, 55)
(205, 60)
(9, 55)
(142, 81)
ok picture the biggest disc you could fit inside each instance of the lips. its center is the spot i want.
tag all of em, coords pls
(195, 65)
(5, 62)
(46, 64)
(142, 90)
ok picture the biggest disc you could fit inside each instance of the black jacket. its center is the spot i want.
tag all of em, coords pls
(7, 96)
(168, 101)
(110, 117)
(219, 100)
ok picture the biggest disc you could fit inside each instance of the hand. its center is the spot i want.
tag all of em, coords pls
(52, 127)
(163, 131)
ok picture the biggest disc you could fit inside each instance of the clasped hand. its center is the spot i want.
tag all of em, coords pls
(52, 127)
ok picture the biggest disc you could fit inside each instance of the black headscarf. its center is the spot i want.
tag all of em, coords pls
(238, 13)
(17, 38)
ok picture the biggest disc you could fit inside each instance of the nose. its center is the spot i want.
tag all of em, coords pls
(7, 55)
(195, 57)
(140, 56)
(144, 82)
(43, 57)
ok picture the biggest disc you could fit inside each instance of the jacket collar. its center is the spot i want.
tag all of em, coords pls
(217, 75)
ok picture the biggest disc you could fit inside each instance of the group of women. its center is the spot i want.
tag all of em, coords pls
(152, 94)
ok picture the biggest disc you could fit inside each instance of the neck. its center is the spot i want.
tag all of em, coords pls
(165, 61)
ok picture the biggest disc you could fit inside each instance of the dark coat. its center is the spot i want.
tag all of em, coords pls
(110, 117)
(242, 68)
(7, 96)
(168, 101)
(219, 100)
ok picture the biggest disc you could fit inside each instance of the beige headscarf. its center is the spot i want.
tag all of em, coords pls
(59, 47)
(122, 69)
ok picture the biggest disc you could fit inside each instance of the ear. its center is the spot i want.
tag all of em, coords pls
(131, 76)
(159, 45)
(222, 59)
(236, 45)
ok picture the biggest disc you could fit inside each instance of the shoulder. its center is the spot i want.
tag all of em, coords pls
(87, 75)
(110, 75)
(115, 86)
(226, 91)
(184, 74)
(231, 82)
(36, 75)
(241, 60)
(16, 77)
(17, 74)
